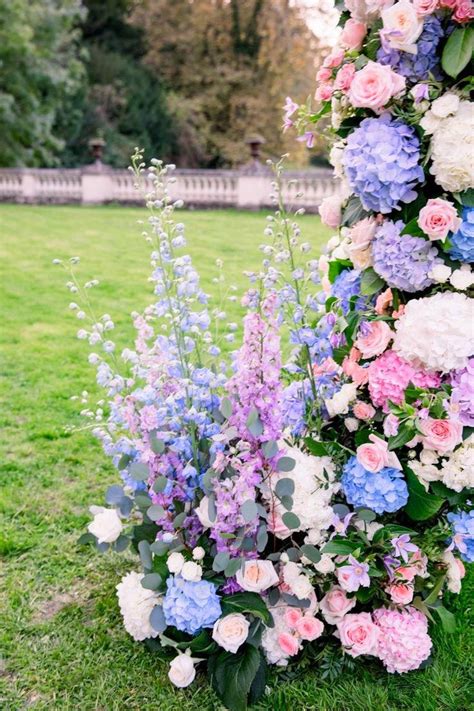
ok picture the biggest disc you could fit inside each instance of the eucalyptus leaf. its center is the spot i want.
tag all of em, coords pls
(285, 464)
(232, 567)
(291, 520)
(145, 554)
(285, 487)
(139, 471)
(157, 619)
(226, 407)
(311, 552)
(249, 510)
(220, 561)
(151, 581)
(157, 445)
(155, 512)
(270, 449)
(160, 484)
(114, 495)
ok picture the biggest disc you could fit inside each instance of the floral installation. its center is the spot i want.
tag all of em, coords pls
(310, 509)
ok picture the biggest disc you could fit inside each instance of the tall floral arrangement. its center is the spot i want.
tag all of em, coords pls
(312, 509)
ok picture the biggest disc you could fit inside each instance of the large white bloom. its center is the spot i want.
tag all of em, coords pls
(136, 604)
(437, 331)
(231, 631)
(452, 146)
(106, 526)
(457, 472)
(366, 10)
(314, 487)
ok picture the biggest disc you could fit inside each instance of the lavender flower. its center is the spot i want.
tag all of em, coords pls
(462, 396)
(403, 547)
(354, 575)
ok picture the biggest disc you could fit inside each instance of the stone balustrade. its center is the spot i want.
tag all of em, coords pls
(198, 188)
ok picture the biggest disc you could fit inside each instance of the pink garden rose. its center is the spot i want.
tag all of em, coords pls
(358, 634)
(330, 211)
(373, 338)
(373, 456)
(335, 604)
(292, 616)
(441, 435)
(344, 77)
(335, 58)
(402, 26)
(323, 92)
(401, 593)
(288, 643)
(309, 628)
(374, 85)
(463, 11)
(359, 375)
(363, 410)
(353, 34)
(437, 218)
(425, 7)
(323, 74)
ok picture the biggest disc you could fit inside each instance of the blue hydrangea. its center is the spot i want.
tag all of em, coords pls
(385, 491)
(463, 240)
(381, 162)
(190, 606)
(402, 260)
(346, 285)
(462, 524)
(417, 67)
(294, 399)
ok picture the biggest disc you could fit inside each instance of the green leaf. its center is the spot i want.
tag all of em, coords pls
(114, 495)
(412, 228)
(434, 593)
(123, 462)
(157, 619)
(285, 487)
(370, 282)
(226, 407)
(285, 464)
(145, 554)
(157, 445)
(232, 676)
(467, 197)
(139, 471)
(316, 448)
(86, 538)
(291, 520)
(259, 683)
(340, 547)
(405, 433)
(262, 538)
(160, 484)
(249, 510)
(366, 515)
(155, 512)
(220, 561)
(248, 602)
(458, 51)
(121, 544)
(270, 448)
(421, 505)
(159, 548)
(254, 423)
(353, 212)
(311, 552)
(232, 567)
(287, 502)
(336, 266)
(446, 618)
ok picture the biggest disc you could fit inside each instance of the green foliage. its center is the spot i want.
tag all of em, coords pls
(457, 52)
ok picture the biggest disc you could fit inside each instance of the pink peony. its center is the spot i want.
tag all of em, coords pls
(373, 338)
(353, 34)
(335, 604)
(401, 593)
(309, 628)
(363, 410)
(389, 376)
(425, 7)
(344, 77)
(404, 642)
(330, 211)
(288, 643)
(437, 218)
(359, 635)
(373, 456)
(374, 85)
(441, 435)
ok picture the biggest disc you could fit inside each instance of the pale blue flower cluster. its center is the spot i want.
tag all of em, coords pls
(462, 524)
(403, 261)
(381, 162)
(190, 606)
(462, 241)
(346, 285)
(383, 492)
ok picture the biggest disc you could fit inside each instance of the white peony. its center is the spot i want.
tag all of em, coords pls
(402, 26)
(298, 583)
(436, 332)
(462, 278)
(366, 10)
(452, 148)
(136, 604)
(457, 472)
(326, 565)
(445, 105)
(230, 632)
(106, 526)
(182, 672)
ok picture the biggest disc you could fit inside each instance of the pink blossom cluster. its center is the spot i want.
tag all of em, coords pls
(404, 643)
(389, 376)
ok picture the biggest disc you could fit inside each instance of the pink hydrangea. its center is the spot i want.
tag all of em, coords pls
(404, 642)
(389, 376)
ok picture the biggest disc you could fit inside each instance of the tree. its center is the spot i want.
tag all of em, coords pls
(40, 66)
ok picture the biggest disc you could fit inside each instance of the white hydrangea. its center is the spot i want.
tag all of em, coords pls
(314, 481)
(452, 146)
(136, 604)
(436, 331)
(366, 10)
(457, 472)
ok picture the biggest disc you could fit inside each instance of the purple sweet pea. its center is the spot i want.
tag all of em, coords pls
(308, 137)
(403, 547)
(341, 524)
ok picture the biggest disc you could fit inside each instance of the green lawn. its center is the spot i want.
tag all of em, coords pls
(63, 641)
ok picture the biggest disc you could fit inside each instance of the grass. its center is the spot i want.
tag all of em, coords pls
(63, 643)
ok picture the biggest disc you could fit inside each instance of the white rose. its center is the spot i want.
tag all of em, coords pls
(182, 672)
(198, 553)
(402, 25)
(175, 562)
(352, 424)
(326, 565)
(339, 403)
(445, 105)
(462, 279)
(230, 632)
(106, 526)
(202, 512)
(440, 273)
(301, 587)
(191, 571)
(257, 575)
(455, 572)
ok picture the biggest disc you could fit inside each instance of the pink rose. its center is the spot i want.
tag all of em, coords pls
(384, 300)
(292, 616)
(323, 92)
(463, 12)
(373, 338)
(363, 410)
(309, 628)
(335, 604)
(374, 85)
(353, 34)
(344, 77)
(330, 211)
(323, 74)
(359, 375)
(334, 59)
(441, 435)
(400, 593)
(373, 456)
(288, 644)
(425, 7)
(358, 634)
(437, 218)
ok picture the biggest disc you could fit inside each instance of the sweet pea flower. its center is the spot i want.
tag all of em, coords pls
(308, 138)
(420, 92)
(354, 575)
(402, 546)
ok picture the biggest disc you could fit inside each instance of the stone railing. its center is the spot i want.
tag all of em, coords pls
(198, 188)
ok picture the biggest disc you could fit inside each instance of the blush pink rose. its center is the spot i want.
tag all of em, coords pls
(344, 77)
(358, 634)
(335, 604)
(400, 593)
(353, 34)
(425, 7)
(334, 59)
(288, 644)
(359, 375)
(323, 92)
(374, 338)
(463, 11)
(323, 74)
(437, 218)
(384, 300)
(292, 616)
(373, 456)
(362, 233)
(374, 85)
(309, 628)
(330, 211)
(363, 410)
(441, 435)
